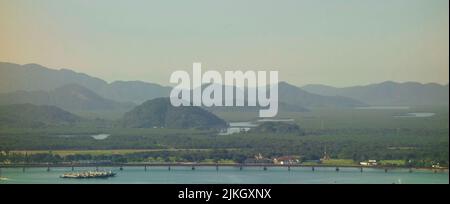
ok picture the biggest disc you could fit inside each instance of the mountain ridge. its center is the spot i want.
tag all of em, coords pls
(71, 97)
(389, 93)
(35, 77)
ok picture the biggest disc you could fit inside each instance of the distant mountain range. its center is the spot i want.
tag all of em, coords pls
(290, 99)
(389, 93)
(72, 97)
(32, 116)
(33, 83)
(34, 77)
(296, 96)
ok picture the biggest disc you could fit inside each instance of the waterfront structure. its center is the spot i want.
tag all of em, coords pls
(286, 160)
(369, 163)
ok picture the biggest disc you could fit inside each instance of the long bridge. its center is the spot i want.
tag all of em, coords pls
(193, 166)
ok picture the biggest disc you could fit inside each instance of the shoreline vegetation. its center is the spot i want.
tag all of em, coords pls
(292, 161)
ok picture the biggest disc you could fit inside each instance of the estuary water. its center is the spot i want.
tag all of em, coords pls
(230, 175)
(415, 115)
(237, 127)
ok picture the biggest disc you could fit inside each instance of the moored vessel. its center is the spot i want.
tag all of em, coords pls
(89, 174)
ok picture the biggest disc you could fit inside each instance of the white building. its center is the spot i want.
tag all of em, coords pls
(369, 163)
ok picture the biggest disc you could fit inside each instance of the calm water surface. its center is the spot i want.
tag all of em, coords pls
(415, 115)
(231, 175)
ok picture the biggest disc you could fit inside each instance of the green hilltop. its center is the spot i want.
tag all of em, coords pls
(157, 113)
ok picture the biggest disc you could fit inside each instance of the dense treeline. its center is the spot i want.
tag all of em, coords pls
(149, 156)
(421, 146)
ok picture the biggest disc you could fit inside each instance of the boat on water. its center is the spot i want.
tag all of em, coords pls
(89, 174)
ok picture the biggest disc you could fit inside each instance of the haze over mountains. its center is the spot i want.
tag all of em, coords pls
(296, 96)
(291, 99)
(34, 77)
(70, 90)
(71, 97)
(389, 93)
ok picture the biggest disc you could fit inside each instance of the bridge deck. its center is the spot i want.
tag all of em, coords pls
(189, 165)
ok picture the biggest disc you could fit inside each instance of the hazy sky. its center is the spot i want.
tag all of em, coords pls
(334, 42)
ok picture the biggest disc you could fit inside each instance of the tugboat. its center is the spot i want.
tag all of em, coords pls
(89, 174)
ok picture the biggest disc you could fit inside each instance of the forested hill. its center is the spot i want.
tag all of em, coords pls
(160, 113)
(28, 115)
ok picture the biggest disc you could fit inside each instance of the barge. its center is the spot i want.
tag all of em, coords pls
(89, 174)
